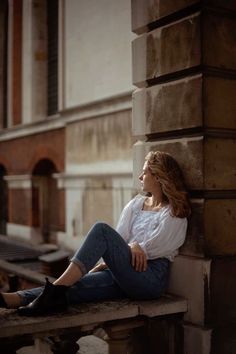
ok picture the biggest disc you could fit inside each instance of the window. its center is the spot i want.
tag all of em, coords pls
(52, 22)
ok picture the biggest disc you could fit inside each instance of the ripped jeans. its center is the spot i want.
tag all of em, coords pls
(119, 280)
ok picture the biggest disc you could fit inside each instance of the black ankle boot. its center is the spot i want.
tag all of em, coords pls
(52, 299)
(3, 303)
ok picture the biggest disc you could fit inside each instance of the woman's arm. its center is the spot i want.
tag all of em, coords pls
(139, 258)
(123, 226)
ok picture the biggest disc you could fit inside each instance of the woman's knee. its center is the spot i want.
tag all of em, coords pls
(101, 227)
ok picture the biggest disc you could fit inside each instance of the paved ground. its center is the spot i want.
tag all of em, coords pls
(88, 345)
(92, 345)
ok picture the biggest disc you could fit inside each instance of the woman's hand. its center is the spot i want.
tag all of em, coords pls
(98, 267)
(139, 258)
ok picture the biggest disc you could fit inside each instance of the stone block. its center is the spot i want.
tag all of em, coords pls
(220, 163)
(219, 102)
(208, 163)
(166, 50)
(168, 107)
(145, 12)
(220, 226)
(195, 241)
(222, 306)
(187, 151)
(223, 340)
(221, 4)
(189, 277)
(164, 335)
(177, 105)
(210, 294)
(197, 340)
(211, 229)
(219, 340)
(218, 41)
(183, 45)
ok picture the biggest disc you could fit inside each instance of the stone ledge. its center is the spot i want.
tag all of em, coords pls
(87, 315)
(27, 274)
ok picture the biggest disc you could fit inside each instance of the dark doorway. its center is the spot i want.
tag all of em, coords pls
(3, 201)
(45, 200)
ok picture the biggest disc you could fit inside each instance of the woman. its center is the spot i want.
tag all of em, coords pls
(136, 255)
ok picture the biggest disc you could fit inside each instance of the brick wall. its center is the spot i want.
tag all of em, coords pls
(23, 153)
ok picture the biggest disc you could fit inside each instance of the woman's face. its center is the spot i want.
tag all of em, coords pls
(148, 181)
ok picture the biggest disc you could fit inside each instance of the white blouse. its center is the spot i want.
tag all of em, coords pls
(158, 233)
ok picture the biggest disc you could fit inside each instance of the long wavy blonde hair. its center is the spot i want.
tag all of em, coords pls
(169, 174)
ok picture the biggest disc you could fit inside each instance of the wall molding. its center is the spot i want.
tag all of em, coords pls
(70, 115)
(24, 232)
(19, 181)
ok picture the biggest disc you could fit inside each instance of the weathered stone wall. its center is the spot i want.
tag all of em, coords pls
(184, 65)
(98, 172)
(99, 139)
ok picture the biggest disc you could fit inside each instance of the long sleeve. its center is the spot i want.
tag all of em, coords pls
(123, 226)
(125, 221)
(166, 238)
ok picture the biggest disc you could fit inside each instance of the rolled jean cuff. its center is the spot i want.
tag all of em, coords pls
(23, 298)
(80, 265)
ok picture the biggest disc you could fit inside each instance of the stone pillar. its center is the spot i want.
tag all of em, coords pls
(16, 62)
(184, 65)
(34, 61)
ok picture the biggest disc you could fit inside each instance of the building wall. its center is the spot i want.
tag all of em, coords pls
(21, 156)
(88, 139)
(99, 160)
(95, 100)
(24, 152)
(96, 49)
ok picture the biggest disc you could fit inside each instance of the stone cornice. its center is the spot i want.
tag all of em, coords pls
(70, 115)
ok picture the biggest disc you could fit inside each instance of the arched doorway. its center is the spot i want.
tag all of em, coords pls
(45, 200)
(3, 201)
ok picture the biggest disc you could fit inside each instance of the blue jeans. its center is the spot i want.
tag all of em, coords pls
(119, 280)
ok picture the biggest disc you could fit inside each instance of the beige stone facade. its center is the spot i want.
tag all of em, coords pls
(65, 117)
